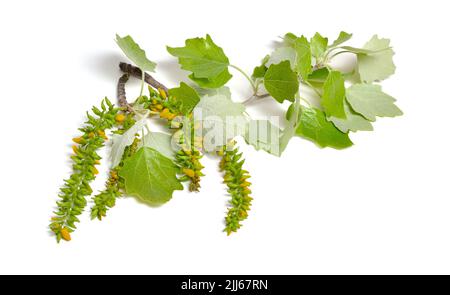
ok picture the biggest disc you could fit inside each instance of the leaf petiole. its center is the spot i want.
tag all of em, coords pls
(142, 83)
(252, 83)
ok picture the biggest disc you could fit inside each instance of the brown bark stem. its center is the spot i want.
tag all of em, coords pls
(136, 72)
(122, 94)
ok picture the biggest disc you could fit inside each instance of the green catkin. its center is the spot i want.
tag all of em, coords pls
(190, 167)
(238, 187)
(159, 103)
(76, 188)
(188, 158)
(106, 199)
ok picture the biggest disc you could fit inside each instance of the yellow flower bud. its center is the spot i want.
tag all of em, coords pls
(78, 140)
(102, 134)
(91, 135)
(164, 113)
(75, 149)
(65, 234)
(162, 93)
(171, 116)
(114, 175)
(120, 118)
(159, 106)
(189, 172)
(94, 170)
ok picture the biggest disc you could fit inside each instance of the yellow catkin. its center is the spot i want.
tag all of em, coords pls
(189, 172)
(65, 234)
(120, 118)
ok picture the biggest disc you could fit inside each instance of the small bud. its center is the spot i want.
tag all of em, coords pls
(65, 234)
(164, 113)
(162, 93)
(189, 172)
(171, 116)
(120, 118)
(75, 149)
(94, 170)
(114, 175)
(102, 134)
(91, 135)
(159, 106)
(78, 140)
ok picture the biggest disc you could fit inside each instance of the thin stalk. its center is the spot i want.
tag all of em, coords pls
(142, 83)
(252, 83)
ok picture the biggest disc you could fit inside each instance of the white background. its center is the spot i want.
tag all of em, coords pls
(380, 207)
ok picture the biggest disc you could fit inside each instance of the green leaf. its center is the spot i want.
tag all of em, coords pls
(263, 135)
(121, 141)
(221, 120)
(360, 51)
(319, 45)
(370, 101)
(282, 54)
(354, 122)
(292, 115)
(303, 61)
(160, 142)
(314, 126)
(186, 96)
(289, 39)
(260, 71)
(132, 50)
(379, 65)
(216, 82)
(281, 82)
(214, 91)
(150, 176)
(206, 61)
(334, 95)
(343, 37)
(318, 77)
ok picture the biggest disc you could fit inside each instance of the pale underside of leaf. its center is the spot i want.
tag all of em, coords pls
(264, 135)
(221, 120)
(353, 121)
(137, 55)
(379, 65)
(282, 54)
(162, 142)
(371, 102)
